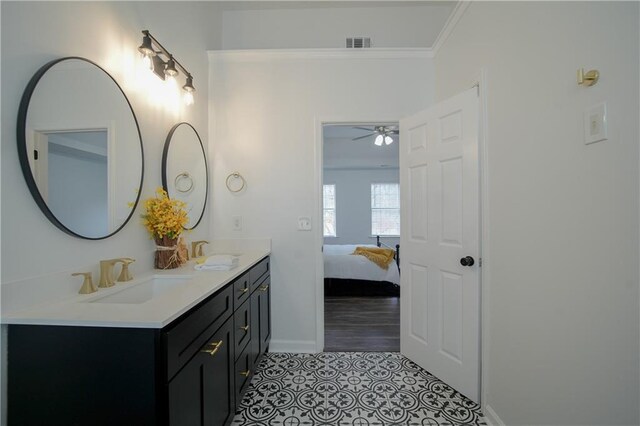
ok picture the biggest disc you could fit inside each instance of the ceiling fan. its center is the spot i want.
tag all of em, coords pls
(383, 134)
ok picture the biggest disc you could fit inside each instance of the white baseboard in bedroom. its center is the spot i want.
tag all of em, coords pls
(293, 346)
(491, 417)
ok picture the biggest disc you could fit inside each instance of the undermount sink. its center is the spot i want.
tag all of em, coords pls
(143, 291)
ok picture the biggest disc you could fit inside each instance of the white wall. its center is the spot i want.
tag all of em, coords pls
(328, 27)
(265, 111)
(34, 33)
(563, 318)
(107, 33)
(353, 204)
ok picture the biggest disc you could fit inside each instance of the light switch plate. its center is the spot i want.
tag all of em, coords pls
(595, 124)
(304, 224)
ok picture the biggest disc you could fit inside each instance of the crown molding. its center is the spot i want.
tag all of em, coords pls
(456, 14)
(297, 54)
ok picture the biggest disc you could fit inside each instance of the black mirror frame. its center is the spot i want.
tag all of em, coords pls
(165, 155)
(23, 155)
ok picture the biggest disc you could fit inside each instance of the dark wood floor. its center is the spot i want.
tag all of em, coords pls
(361, 324)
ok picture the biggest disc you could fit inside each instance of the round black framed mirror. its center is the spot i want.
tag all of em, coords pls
(185, 175)
(80, 148)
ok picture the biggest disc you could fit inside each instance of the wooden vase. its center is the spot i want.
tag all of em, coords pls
(167, 258)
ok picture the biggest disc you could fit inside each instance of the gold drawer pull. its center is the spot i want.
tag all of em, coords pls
(264, 288)
(215, 347)
(245, 328)
(244, 290)
(245, 373)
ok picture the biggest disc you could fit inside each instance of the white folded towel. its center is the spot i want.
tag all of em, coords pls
(204, 267)
(221, 260)
(217, 262)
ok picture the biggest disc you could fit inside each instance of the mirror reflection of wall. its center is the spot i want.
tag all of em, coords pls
(83, 148)
(77, 184)
(184, 172)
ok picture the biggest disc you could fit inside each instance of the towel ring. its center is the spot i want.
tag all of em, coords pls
(184, 178)
(235, 175)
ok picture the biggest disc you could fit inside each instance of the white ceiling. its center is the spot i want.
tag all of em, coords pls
(341, 152)
(310, 4)
(326, 24)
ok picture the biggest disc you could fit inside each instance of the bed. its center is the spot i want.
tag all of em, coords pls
(352, 275)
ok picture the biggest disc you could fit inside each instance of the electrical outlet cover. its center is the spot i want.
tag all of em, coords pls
(595, 124)
(237, 223)
(304, 224)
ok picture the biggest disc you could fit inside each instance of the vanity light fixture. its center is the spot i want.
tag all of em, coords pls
(170, 70)
(152, 52)
(188, 90)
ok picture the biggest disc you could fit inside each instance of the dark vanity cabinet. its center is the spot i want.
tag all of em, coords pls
(192, 372)
(203, 392)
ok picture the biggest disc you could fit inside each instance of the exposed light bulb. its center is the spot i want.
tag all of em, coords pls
(388, 140)
(379, 140)
(147, 62)
(188, 98)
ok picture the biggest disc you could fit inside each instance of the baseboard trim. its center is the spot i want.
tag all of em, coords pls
(491, 417)
(293, 346)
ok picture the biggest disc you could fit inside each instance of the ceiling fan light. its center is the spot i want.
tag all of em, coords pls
(379, 140)
(388, 140)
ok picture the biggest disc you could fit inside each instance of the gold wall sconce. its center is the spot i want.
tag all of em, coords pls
(589, 79)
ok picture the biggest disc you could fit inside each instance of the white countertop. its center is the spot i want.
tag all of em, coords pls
(155, 313)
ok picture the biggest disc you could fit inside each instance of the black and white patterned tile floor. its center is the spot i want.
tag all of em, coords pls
(350, 388)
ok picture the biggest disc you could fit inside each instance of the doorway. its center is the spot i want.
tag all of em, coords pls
(443, 175)
(361, 232)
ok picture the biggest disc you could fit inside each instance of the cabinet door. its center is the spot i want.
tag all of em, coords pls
(242, 327)
(254, 344)
(264, 291)
(202, 393)
(243, 374)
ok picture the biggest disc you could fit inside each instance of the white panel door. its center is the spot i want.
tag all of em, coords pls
(440, 302)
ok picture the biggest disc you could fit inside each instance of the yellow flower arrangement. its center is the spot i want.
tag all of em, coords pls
(164, 217)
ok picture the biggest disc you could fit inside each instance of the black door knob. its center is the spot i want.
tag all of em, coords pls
(467, 261)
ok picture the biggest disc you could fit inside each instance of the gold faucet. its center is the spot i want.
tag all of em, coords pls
(106, 273)
(87, 283)
(196, 248)
(124, 273)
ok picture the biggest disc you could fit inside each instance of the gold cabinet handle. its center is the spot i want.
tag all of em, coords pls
(244, 290)
(245, 328)
(245, 373)
(215, 347)
(264, 288)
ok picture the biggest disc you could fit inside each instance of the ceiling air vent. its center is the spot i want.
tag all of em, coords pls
(358, 42)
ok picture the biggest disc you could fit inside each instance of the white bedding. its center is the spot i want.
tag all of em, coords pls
(340, 263)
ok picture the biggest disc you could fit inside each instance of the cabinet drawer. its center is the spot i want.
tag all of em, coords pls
(241, 290)
(243, 374)
(185, 339)
(242, 326)
(257, 272)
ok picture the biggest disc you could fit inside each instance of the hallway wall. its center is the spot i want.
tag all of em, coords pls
(561, 302)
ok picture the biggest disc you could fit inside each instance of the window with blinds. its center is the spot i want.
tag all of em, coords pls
(385, 209)
(329, 210)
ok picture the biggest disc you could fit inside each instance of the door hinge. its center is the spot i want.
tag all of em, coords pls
(35, 154)
(476, 86)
